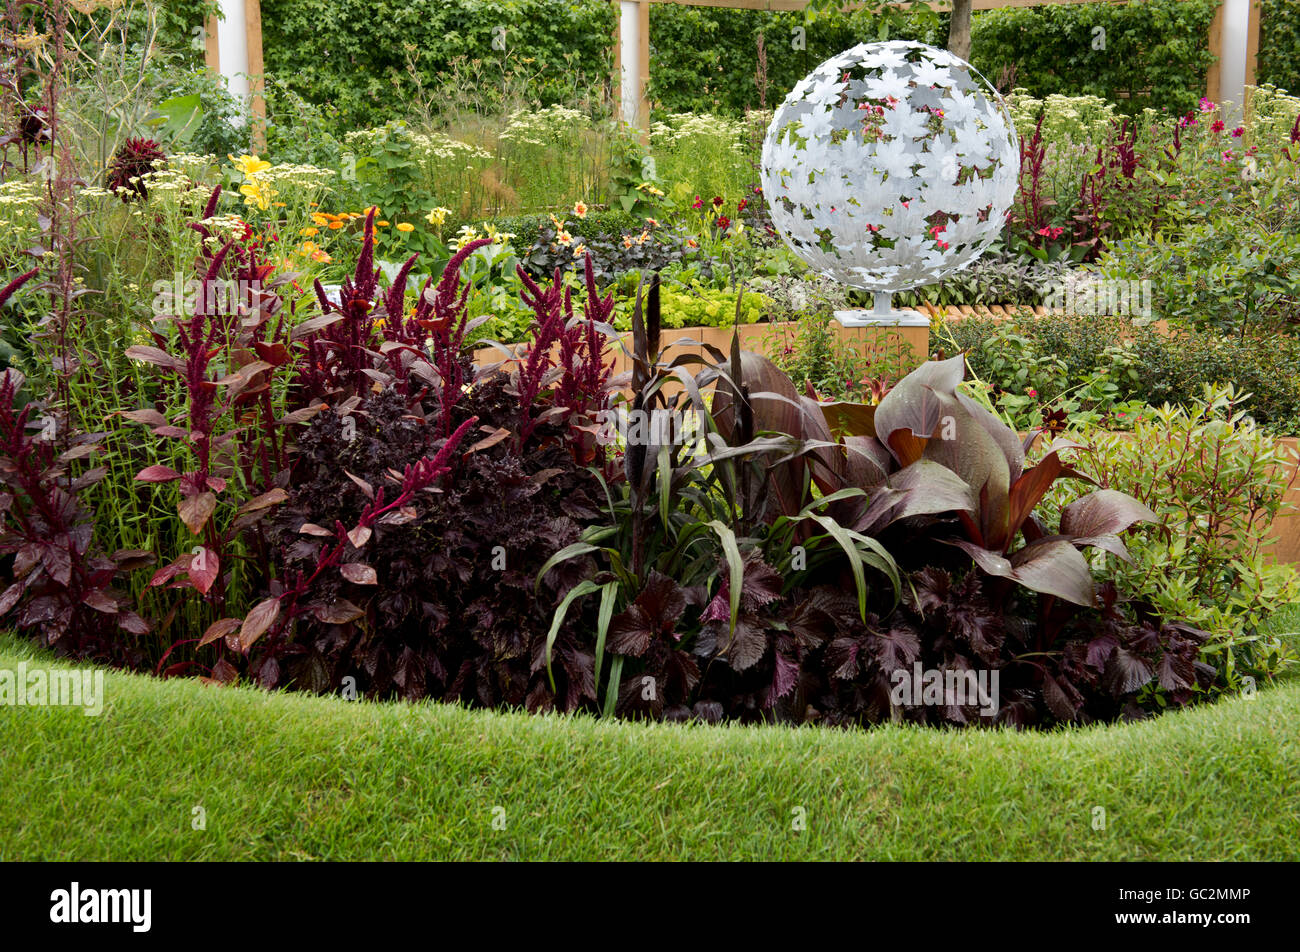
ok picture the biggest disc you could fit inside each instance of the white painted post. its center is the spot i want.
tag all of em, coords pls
(232, 43)
(1232, 62)
(629, 45)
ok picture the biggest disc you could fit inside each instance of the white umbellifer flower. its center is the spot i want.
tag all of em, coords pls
(890, 166)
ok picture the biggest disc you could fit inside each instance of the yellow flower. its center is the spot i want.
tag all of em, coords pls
(319, 219)
(250, 165)
(563, 237)
(438, 217)
(579, 249)
(652, 223)
(256, 194)
(308, 232)
(277, 204)
(382, 224)
(580, 209)
(627, 242)
(405, 227)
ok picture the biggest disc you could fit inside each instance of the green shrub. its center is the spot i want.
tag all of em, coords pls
(1217, 481)
(696, 306)
(1222, 275)
(1062, 354)
(611, 224)
(1176, 370)
(993, 279)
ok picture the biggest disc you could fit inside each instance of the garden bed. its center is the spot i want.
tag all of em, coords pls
(906, 347)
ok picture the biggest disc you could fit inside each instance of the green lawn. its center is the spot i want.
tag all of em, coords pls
(284, 777)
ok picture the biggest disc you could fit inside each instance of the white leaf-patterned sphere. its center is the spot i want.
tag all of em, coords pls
(890, 166)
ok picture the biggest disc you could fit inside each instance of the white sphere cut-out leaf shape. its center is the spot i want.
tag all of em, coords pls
(890, 166)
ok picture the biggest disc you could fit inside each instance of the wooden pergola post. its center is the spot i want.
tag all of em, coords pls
(256, 71)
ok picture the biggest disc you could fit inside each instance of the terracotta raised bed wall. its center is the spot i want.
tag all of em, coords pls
(1286, 527)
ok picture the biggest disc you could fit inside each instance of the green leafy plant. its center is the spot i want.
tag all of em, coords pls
(1215, 481)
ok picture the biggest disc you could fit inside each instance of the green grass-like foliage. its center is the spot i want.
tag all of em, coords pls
(283, 777)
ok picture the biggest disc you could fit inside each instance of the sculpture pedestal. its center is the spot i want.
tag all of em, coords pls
(898, 340)
(882, 315)
(861, 317)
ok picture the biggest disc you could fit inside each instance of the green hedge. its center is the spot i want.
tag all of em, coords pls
(352, 55)
(1279, 44)
(1160, 46)
(704, 58)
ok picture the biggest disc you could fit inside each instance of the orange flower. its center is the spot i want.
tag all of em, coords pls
(335, 225)
(405, 227)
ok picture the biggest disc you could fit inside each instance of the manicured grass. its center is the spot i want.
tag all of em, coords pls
(285, 777)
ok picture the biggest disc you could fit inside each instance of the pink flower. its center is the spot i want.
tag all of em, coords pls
(1207, 104)
(1052, 233)
(1227, 155)
(698, 203)
(1216, 125)
(1032, 392)
(1238, 132)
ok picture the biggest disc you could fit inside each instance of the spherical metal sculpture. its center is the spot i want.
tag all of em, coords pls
(890, 166)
